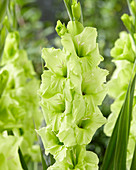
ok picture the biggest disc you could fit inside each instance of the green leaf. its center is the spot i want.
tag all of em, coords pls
(133, 164)
(3, 8)
(115, 156)
(44, 165)
(3, 81)
(24, 166)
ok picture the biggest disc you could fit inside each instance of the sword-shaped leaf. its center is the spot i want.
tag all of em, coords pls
(133, 164)
(115, 156)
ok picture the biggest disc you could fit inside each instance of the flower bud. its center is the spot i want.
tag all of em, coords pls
(60, 28)
(76, 10)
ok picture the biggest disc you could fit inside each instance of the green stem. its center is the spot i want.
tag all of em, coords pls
(24, 166)
(68, 4)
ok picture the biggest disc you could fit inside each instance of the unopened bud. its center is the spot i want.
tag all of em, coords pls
(60, 28)
(76, 10)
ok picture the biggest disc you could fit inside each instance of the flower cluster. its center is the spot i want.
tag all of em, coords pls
(19, 108)
(71, 90)
(124, 55)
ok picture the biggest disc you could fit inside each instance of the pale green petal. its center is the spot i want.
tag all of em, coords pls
(3, 162)
(87, 126)
(91, 161)
(86, 41)
(11, 47)
(68, 44)
(93, 80)
(52, 143)
(55, 60)
(74, 27)
(68, 90)
(80, 131)
(51, 81)
(11, 113)
(123, 49)
(22, 62)
(77, 158)
(78, 109)
(67, 136)
(54, 110)
(120, 78)
(9, 152)
(91, 60)
(75, 77)
(81, 44)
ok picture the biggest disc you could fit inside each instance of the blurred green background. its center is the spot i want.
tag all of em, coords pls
(36, 23)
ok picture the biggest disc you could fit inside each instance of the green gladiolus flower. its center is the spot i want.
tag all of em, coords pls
(80, 131)
(124, 48)
(77, 159)
(71, 90)
(18, 96)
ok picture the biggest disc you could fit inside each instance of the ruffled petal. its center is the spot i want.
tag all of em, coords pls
(52, 143)
(55, 61)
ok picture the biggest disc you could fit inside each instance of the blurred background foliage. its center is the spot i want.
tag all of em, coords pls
(36, 21)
